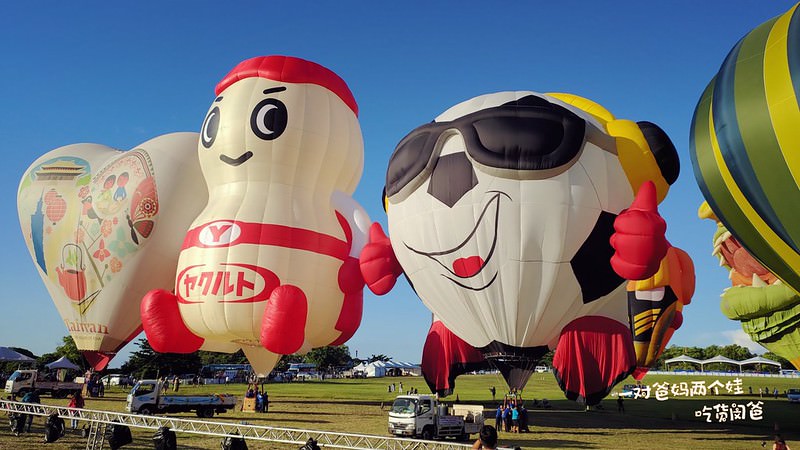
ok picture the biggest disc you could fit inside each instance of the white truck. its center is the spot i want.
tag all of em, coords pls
(149, 397)
(23, 381)
(421, 415)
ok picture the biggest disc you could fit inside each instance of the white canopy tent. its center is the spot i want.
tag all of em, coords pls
(759, 360)
(684, 358)
(378, 369)
(721, 359)
(62, 363)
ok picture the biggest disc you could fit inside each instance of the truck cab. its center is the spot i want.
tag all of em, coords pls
(422, 415)
(143, 397)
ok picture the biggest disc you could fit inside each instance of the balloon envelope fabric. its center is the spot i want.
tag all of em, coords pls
(745, 144)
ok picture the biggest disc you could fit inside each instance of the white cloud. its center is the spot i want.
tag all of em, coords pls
(739, 337)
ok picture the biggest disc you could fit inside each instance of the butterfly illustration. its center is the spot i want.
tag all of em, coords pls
(144, 207)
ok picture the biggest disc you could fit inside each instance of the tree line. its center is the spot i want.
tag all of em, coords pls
(147, 363)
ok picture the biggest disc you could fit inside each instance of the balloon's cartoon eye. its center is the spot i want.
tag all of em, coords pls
(652, 295)
(210, 126)
(269, 119)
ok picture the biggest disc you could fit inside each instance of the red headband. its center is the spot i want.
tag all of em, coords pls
(290, 70)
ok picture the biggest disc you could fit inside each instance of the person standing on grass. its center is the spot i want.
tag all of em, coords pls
(30, 397)
(620, 404)
(76, 402)
(259, 401)
(523, 418)
(514, 419)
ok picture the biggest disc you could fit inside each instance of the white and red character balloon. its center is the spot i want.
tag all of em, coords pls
(500, 213)
(271, 264)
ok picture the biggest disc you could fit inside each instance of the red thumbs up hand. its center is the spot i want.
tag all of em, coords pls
(379, 265)
(639, 241)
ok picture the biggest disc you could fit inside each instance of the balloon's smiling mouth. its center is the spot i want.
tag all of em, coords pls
(236, 161)
(457, 265)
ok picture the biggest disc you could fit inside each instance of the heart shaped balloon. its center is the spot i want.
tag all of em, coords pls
(105, 226)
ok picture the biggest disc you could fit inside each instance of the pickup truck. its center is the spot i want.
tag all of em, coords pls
(422, 415)
(149, 397)
(23, 381)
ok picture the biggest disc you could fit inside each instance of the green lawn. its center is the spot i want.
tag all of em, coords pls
(360, 406)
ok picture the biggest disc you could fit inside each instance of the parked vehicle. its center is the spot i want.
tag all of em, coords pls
(628, 391)
(23, 381)
(793, 395)
(422, 415)
(149, 397)
(187, 378)
(541, 369)
(303, 371)
(116, 380)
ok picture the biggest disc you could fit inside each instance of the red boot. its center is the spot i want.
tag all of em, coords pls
(283, 327)
(163, 325)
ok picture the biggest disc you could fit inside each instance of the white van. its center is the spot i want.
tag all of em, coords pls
(541, 369)
(116, 380)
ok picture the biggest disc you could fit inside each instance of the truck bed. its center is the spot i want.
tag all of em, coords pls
(213, 400)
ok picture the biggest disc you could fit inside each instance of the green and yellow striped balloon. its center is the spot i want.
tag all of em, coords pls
(745, 149)
(745, 144)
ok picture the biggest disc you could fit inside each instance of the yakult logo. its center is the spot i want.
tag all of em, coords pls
(219, 233)
(226, 283)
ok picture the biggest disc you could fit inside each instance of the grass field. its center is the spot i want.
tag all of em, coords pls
(360, 406)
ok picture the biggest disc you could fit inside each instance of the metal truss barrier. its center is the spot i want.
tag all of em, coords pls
(99, 421)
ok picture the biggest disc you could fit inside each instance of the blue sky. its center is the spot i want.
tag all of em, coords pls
(119, 75)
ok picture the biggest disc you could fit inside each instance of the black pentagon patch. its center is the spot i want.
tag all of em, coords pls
(592, 264)
(452, 177)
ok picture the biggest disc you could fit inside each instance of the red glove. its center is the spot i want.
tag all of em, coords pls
(639, 241)
(379, 265)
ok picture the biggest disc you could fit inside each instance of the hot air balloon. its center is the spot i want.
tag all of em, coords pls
(271, 264)
(98, 255)
(744, 151)
(767, 308)
(501, 212)
(655, 307)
